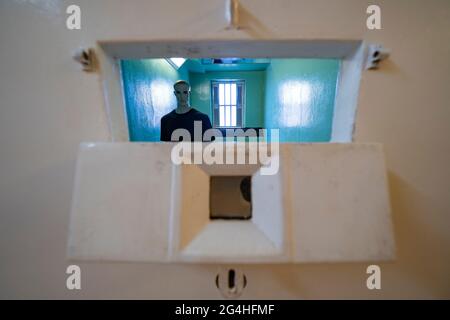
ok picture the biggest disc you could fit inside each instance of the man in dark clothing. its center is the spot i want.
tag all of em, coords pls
(183, 116)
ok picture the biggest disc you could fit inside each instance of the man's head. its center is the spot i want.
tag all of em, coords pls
(182, 90)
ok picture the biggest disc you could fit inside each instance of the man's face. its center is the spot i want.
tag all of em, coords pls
(182, 93)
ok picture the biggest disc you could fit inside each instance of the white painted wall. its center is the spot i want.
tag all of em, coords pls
(48, 106)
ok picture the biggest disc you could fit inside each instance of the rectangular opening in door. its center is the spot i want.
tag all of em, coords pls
(294, 95)
(230, 197)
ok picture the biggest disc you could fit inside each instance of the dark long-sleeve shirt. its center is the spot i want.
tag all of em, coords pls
(172, 121)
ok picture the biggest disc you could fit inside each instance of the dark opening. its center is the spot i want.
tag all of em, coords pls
(230, 197)
(231, 276)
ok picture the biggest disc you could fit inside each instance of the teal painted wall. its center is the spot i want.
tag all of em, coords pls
(148, 91)
(299, 98)
(255, 85)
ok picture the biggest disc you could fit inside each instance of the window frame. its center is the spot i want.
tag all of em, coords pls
(244, 102)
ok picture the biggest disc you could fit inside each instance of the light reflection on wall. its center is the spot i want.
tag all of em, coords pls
(299, 98)
(163, 99)
(156, 99)
(295, 98)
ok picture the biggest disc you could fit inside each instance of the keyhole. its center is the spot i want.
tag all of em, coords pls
(231, 275)
(231, 282)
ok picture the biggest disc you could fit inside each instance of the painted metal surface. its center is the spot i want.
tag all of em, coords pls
(326, 203)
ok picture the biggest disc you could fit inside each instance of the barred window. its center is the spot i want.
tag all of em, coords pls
(228, 103)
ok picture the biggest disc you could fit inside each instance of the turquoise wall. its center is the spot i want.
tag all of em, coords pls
(299, 98)
(148, 91)
(254, 83)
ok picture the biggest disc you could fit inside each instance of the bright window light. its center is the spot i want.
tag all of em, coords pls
(176, 62)
(228, 100)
